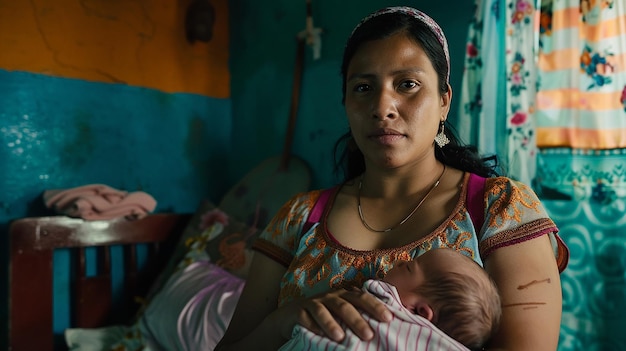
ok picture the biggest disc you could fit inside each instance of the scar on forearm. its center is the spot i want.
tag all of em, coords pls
(528, 305)
(521, 287)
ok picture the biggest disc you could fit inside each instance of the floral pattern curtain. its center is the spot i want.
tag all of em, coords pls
(484, 48)
(502, 36)
(560, 125)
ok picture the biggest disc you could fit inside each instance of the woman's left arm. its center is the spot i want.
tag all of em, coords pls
(530, 288)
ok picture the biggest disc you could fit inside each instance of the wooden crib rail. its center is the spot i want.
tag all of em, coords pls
(32, 243)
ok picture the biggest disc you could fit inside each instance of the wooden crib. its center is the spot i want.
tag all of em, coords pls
(32, 242)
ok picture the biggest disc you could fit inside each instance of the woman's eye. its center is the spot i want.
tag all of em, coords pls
(408, 84)
(361, 87)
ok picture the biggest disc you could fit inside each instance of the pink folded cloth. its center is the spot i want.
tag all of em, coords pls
(98, 201)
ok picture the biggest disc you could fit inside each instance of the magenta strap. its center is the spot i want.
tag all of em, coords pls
(476, 200)
(475, 203)
(318, 209)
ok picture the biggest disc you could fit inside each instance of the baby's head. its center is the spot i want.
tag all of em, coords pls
(452, 291)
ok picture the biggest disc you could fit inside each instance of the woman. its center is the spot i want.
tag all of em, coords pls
(406, 192)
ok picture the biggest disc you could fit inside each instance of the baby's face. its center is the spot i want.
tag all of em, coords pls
(406, 276)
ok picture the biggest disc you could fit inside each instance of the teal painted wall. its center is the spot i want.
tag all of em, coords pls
(59, 133)
(262, 58)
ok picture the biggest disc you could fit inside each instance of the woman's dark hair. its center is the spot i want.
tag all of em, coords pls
(455, 154)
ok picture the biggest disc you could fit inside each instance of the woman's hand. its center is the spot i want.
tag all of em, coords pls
(257, 323)
(323, 313)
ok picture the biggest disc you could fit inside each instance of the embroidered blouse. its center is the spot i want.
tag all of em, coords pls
(316, 262)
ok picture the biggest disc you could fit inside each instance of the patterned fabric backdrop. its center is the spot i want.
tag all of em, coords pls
(581, 102)
(560, 125)
(594, 288)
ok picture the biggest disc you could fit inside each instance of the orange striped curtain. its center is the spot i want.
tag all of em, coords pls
(552, 104)
(581, 100)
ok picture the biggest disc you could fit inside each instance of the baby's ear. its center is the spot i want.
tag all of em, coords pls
(423, 309)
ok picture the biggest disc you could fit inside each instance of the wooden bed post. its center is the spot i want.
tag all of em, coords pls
(30, 291)
(32, 242)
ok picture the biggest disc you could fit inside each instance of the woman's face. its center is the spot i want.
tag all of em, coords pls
(393, 102)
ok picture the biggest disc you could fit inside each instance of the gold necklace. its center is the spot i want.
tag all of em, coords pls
(358, 199)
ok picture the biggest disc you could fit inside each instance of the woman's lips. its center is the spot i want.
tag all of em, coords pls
(386, 136)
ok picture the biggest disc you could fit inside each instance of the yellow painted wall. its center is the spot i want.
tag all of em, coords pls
(134, 42)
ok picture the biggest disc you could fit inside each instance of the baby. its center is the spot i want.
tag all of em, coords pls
(441, 300)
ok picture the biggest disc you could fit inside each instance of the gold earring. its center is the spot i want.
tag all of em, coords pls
(441, 138)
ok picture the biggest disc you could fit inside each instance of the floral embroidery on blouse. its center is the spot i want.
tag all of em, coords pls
(500, 211)
(315, 264)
